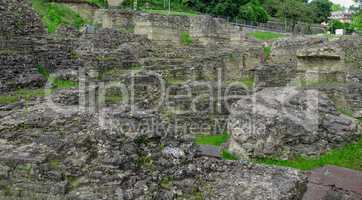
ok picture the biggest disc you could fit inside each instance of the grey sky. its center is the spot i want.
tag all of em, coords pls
(345, 3)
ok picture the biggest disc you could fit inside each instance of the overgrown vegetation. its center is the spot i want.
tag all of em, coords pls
(99, 3)
(54, 15)
(348, 156)
(265, 35)
(185, 38)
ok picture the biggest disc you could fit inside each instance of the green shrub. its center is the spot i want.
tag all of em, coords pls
(357, 22)
(333, 25)
(53, 15)
(185, 38)
(253, 11)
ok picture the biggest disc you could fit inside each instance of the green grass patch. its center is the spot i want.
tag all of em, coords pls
(56, 83)
(54, 15)
(166, 183)
(349, 156)
(74, 182)
(25, 94)
(248, 82)
(226, 155)
(303, 83)
(54, 164)
(215, 140)
(113, 99)
(185, 38)
(261, 35)
(64, 84)
(267, 52)
(145, 162)
(99, 3)
(173, 13)
(345, 110)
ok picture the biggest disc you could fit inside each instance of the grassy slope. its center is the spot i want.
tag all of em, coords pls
(264, 35)
(349, 156)
(53, 15)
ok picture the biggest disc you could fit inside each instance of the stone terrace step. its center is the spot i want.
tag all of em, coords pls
(331, 182)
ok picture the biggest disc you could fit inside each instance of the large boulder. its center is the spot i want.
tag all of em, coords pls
(288, 122)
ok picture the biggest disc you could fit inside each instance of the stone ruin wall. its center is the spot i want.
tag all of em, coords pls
(205, 28)
(330, 65)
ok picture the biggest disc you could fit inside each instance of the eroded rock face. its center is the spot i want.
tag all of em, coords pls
(17, 18)
(287, 122)
(68, 155)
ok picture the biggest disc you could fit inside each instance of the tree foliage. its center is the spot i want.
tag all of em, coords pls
(251, 10)
(337, 7)
(321, 10)
(357, 22)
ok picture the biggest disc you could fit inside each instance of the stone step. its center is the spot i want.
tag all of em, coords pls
(332, 182)
(209, 151)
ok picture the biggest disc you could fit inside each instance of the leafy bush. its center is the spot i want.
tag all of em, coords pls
(357, 22)
(53, 15)
(335, 24)
(185, 38)
(253, 11)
